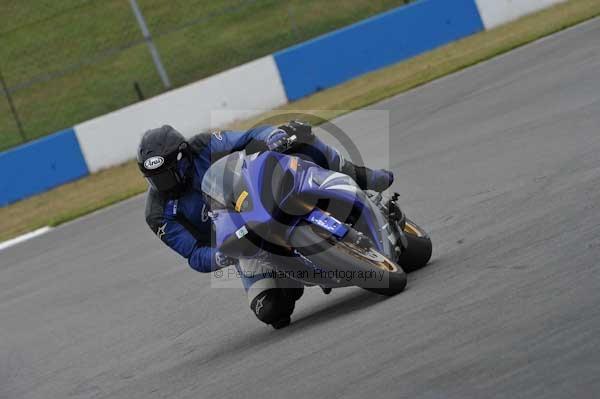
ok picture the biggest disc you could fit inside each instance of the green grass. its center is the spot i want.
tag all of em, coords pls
(68, 48)
(109, 186)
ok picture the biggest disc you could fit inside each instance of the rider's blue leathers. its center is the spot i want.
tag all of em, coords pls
(183, 223)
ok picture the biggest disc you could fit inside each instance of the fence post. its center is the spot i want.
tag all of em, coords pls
(12, 107)
(153, 50)
(291, 17)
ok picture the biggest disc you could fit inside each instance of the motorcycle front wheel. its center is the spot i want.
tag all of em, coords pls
(418, 251)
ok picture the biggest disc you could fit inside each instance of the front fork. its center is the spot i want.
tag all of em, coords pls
(396, 221)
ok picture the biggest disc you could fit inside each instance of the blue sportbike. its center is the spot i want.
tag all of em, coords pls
(316, 226)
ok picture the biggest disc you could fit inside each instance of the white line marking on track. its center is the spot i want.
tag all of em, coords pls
(24, 237)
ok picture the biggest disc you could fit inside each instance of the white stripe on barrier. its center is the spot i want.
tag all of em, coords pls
(498, 12)
(113, 138)
(24, 237)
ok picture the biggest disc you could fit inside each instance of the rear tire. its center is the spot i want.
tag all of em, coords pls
(328, 252)
(419, 248)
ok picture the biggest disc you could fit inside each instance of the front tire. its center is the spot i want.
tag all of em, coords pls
(418, 251)
(328, 252)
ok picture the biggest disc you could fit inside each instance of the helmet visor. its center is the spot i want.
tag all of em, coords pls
(165, 181)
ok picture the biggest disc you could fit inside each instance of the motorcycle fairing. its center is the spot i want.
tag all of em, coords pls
(271, 182)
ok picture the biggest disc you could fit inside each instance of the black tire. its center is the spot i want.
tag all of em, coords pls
(328, 252)
(419, 248)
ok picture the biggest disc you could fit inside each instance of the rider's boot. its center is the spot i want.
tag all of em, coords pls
(368, 179)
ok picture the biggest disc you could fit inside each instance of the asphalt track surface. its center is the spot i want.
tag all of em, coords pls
(501, 162)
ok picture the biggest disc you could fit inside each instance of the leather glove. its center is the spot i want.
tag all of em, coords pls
(303, 131)
(276, 138)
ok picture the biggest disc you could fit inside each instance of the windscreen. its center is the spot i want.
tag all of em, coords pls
(222, 177)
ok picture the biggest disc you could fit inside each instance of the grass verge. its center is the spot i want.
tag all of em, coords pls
(112, 185)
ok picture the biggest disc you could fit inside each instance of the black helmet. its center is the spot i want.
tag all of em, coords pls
(158, 155)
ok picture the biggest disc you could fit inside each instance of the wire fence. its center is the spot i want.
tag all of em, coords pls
(66, 61)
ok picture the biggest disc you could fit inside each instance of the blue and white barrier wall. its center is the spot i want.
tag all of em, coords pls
(113, 138)
(265, 83)
(497, 12)
(374, 43)
(40, 165)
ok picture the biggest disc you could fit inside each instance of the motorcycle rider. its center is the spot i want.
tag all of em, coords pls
(177, 213)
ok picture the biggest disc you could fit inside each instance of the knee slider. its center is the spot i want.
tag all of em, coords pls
(272, 305)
